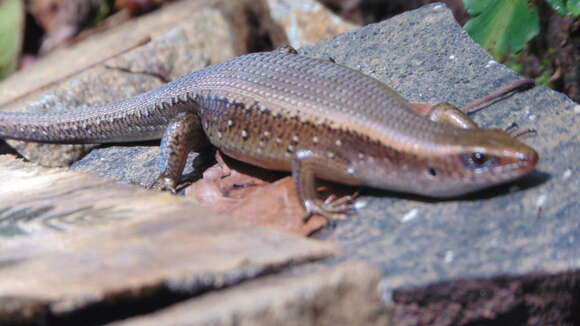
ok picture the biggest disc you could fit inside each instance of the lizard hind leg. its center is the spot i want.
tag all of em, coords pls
(183, 134)
(444, 113)
(449, 114)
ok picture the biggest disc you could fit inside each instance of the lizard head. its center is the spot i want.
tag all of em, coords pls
(484, 159)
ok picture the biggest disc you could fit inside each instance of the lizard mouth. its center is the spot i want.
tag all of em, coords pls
(528, 161)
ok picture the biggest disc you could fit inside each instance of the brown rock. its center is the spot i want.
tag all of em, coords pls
(186, 36)
(151, 244)
(345, 295)
(304, 22)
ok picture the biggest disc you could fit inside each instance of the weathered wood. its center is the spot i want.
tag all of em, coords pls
(147, 243)
(344, 295)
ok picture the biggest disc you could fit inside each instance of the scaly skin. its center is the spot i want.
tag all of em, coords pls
(284, 111)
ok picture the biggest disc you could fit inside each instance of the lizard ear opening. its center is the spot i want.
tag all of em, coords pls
(432, 172)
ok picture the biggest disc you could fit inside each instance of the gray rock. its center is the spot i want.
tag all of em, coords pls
(530, 225)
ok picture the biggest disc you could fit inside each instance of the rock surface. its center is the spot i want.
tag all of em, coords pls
(75, 248)
(89, 245)
(175, 50)
(228, 29)
(527, 226)
(534, 299)
(304, 22)
(325, 298)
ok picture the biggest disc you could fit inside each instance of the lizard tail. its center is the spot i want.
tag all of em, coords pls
(140, 118)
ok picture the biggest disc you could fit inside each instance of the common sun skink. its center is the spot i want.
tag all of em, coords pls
(284, 111)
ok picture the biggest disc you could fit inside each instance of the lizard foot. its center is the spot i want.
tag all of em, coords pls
(513, 128)
(332, 208)
(163, 183)
(286, 48)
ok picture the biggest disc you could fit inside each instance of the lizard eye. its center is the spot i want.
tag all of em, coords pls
(478, 161)
(478, 158)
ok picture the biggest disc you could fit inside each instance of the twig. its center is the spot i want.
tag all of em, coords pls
(524, 83)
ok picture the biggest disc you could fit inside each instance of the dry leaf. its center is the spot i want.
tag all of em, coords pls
(138, 6)
(252, 196)
(62, 19)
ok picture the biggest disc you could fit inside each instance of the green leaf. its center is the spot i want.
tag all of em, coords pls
(566, 7)
(476, 7)
(11, 32)
(559, 6)
(103, 11)
(503, 27)
(574, 8)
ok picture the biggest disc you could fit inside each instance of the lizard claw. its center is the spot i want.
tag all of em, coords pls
(163, 183)
(332, 208)
(286, 48)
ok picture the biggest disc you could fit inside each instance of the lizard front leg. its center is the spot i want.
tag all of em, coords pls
(306, 166)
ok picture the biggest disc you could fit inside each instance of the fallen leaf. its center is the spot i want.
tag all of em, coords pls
(255, 195)
(138, 6)
(62, 19)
